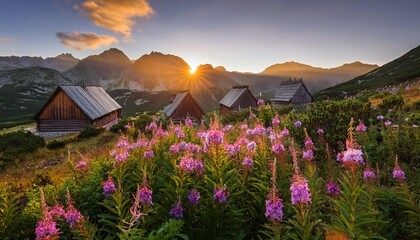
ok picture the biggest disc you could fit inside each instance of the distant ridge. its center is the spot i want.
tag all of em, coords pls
(404, 68)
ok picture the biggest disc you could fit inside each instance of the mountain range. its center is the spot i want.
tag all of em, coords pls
(26, 82)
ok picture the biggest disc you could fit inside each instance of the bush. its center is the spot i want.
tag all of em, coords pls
(55, 144)
(89, 132)
(16, 144)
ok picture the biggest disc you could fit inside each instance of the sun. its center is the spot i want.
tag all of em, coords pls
(192, 70)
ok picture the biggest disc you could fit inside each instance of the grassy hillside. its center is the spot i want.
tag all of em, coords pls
(404, 68)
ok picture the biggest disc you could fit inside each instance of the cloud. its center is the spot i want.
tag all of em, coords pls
(7, 39)
(115, 15)
(81, 41)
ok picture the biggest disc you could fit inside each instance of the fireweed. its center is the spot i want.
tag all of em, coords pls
(220, 194)
(109, 187)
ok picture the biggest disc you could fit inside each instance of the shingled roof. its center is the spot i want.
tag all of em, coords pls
(233, 95)
(92, 100)
(287, 91)
(177, 100)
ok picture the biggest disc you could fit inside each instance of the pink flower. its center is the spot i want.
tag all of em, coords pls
(300, 190)
(190, 165)
(274, 208)
(46, 228)
(320, 131)
(109, 187)
(177, 210)
(275, 120)
(194, 196)
(361, 127)
(145, 195)
(333, 189)
(214, 137)
(188, 122)
(220, 194)
(260, 102)
(81, 164)
(277, 148)
(248, 163)
(388, 123)
(285, 132)
(149, 154)
(368, 174)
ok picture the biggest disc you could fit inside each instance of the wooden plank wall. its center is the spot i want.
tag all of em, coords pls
(60, 125)
(246, 100)
(113, 116)
(188, 107)
(62, 107)
(301, 96)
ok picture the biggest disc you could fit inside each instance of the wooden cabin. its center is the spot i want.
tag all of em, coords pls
(239, 97)
(291, 92)
(72, 108)
(182, 106)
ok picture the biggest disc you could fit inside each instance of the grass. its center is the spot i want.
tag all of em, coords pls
(17, 128)
(26, 169)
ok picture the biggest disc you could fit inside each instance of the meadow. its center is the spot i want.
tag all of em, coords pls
(337, 170)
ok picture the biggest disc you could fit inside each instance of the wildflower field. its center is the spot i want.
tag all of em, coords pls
(338, 170)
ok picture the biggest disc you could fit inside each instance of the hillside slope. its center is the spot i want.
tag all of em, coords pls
(404, 68)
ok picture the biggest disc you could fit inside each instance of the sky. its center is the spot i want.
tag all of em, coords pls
(241, 35)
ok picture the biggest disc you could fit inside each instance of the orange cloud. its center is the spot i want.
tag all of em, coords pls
(7, 39)
(81, 41)
(115, 15)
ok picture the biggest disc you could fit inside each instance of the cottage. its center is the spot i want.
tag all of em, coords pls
(183, 105)
(71, 108)
(291, 91)
(238, 97)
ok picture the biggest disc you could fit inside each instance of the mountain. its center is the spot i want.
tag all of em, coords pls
(104, 69)
(404, 68)
(317, 78)
(165, 72)
(62, 62)
(23, 91)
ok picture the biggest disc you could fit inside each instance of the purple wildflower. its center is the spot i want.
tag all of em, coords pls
(361, 127)
(308, 154)
(260, 102)
(227, 128)
(81, 164)
(274, 208)
(145, 195)
(398, 173)
(149, 154)
(333, 189)
(379, 117)
(151, 126)
(46, 228)
(285, 132)
(109, 187)
(72, 215)
(248, 162)
(220, 194)
(368, 174)
(300, 190)
(190, 165)
(320, 131)
(174, 148)
(388, 123)
(214, 137)
(188, 122)
(251, 146)
(277, 148)
(353, 156)
(275, 120)
(177, 210)
(194, 196)
(298, 124)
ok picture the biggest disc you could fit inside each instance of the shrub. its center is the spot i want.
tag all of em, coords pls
(16, 144)
(55, 144)
(89, 132)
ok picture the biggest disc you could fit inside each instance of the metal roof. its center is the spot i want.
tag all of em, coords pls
(93, 101)
(286, 91)
(232, 96)
(171, 107)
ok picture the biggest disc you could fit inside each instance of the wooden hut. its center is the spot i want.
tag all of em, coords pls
(238, 97)
(182, 106)
(71, 108)
(291, 92)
